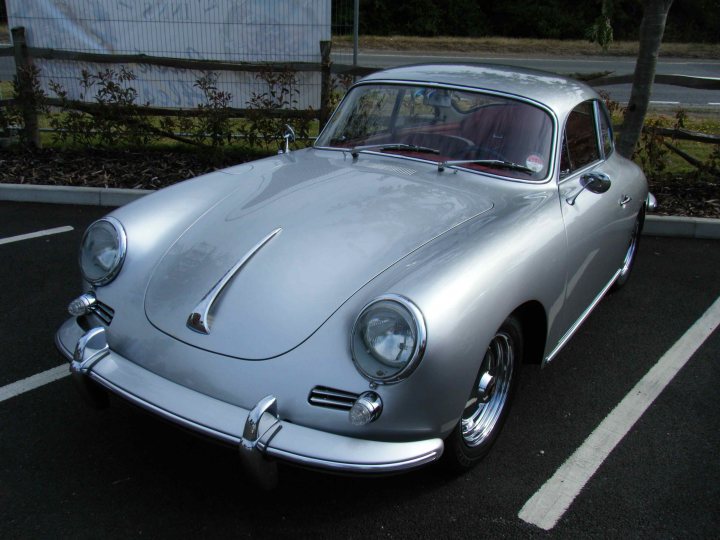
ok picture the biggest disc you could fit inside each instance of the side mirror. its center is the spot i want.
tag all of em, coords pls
(594, 182)
(288, 137)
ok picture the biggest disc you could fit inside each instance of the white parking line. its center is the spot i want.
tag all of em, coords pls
(550, 502)
(36, 381)
(665, 102)
(38, 234)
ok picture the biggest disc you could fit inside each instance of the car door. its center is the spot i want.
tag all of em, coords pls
(594, 206)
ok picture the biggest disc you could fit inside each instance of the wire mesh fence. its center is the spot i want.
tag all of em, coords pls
(219, 31)
(343, 19)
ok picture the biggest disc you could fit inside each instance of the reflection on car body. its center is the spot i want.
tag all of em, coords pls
(365, 305)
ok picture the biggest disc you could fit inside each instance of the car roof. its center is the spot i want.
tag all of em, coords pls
(557, 92)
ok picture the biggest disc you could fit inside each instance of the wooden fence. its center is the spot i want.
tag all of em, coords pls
(24, 55)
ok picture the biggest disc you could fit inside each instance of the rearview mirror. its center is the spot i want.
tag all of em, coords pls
(288, 137)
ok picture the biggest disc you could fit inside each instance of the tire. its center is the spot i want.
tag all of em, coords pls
(489, 401)
(631, 254)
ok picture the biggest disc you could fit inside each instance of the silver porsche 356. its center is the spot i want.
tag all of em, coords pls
(365, 305)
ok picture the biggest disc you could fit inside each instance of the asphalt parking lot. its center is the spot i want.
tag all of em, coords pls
(69, 471)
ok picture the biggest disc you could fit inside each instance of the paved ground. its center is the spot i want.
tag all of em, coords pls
(66, 470)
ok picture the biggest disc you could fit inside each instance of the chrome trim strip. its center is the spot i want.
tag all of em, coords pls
(341, 453)
(507, 95)
(598, 130)
(163, 413)
(62, 349)
(122, 250)
(650, 202)
(420, 328)
(601, 109)
(324, 390)
(581, 319)
(355, 467)
(577, 172)
(198, 320)
(286, 455)
(331, 403)
(330, 398)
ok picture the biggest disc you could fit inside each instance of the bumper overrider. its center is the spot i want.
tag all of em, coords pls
(260, 435)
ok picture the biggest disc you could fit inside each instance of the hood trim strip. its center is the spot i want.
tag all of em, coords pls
(199, 319)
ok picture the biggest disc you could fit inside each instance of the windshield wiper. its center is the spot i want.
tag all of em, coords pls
(393, 146)
(494, 163)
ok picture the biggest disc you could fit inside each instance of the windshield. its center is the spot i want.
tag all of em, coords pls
(453, 127)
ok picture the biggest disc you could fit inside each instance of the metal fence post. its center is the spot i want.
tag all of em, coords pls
(356, 31)
(23, 70)
(325, 84)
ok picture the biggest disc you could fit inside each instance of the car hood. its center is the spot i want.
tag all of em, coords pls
(342, 223)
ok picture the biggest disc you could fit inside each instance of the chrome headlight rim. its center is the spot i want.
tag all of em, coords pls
(420, 338)
(121, 237)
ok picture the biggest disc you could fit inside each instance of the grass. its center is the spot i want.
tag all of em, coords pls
(677, 165)
(505, 46)
(6, 89)
(674, 164)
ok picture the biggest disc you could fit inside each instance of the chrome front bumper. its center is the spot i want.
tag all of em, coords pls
(258, 432)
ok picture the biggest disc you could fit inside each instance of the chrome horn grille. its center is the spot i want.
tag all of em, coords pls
(330, 398)
(103, 312)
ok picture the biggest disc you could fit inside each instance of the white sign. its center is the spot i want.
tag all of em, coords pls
(226, 30)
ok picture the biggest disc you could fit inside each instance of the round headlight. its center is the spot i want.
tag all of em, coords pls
(102, 251)
(388, 339)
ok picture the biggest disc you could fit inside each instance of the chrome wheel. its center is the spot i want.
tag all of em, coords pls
(489, 397)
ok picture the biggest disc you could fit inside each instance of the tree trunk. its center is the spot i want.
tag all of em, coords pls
(651, 32)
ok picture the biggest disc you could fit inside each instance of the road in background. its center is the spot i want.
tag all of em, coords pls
(662, 94)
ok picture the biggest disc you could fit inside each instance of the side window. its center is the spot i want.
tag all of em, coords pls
(579, 140)
(606, 132)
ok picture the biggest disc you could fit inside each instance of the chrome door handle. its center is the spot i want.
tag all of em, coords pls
(624, 200)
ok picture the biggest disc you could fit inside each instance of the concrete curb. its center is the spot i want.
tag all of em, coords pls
(682, 227)
(70, 194)
(671, 226)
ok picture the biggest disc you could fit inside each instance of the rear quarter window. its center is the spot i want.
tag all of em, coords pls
(606, 131)
(580, 147)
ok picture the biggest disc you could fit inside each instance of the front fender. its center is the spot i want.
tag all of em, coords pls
(466, 283)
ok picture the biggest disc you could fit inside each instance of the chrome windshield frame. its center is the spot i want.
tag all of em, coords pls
(506, 95)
